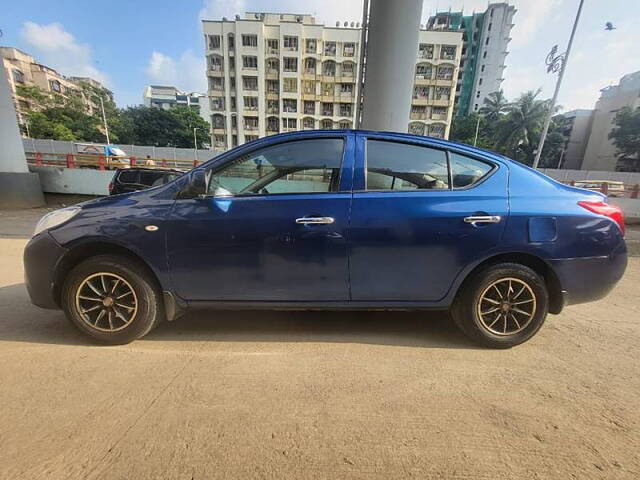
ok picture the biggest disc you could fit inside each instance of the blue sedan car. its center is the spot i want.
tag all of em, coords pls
(333, 220)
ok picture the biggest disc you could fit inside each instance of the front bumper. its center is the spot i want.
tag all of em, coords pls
(590, 278)
(41, 257)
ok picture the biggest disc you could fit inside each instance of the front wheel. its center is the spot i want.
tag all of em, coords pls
(112, 298)
(502, 306)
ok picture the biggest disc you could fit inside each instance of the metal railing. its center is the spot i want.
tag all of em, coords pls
(104, 162)
(628, 190)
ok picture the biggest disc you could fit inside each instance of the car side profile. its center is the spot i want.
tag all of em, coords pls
(336, 219)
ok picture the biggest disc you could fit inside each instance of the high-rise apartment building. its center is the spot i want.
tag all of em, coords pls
(22, 70)
(270, 73)
(166, 97)
(486, 38)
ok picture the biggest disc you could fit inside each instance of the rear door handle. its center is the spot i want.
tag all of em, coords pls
(315, 220)
(475, 219)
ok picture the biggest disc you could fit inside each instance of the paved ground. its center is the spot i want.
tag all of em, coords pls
(316, 395)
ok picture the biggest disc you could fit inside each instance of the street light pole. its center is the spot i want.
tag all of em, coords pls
(475, 138)
(104, 119)
(554, 63)
(195, 144)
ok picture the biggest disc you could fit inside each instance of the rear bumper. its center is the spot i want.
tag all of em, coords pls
(41, 256)
(590, 278)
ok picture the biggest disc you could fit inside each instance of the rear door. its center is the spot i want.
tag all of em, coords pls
(420, 214)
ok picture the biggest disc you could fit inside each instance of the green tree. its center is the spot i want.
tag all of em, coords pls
(626, 137)
(495, 105)
(463, 130)
(188, 119)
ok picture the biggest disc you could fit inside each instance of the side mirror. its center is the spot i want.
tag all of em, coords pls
(197, 185)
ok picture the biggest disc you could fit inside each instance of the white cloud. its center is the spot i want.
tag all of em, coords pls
(56, 47)
(186, 72)
(216, 9)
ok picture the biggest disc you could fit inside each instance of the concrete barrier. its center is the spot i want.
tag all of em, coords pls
(81, 181)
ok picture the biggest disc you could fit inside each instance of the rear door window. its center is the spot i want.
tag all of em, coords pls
(467, 171)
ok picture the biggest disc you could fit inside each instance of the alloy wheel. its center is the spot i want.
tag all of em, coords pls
(106, 302)
(506, 306)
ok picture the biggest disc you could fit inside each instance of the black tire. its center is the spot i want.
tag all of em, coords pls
(147, 299)
(466, 312)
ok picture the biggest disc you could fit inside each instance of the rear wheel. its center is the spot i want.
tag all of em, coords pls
(112, 298)
(502, 306)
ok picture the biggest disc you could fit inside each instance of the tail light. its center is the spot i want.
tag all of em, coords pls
(110, 187)
(603, 208)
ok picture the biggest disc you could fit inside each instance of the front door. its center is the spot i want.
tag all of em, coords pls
(273, 227)
(412, 219)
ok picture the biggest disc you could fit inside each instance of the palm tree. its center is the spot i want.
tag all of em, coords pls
(519, 130)
(495, 105)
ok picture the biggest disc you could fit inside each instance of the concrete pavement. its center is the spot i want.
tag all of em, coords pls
(316, 395)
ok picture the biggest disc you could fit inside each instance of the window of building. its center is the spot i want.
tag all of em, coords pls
(249, 62)
(273, 106)
(289, 124)
(232, 82)
(216, 83)
(215, 62)
(272, 45)
(329, 68)
(250, 103)
(480, 82)
(400, 166)
(344, 124)
(249, 40)
(272, 124)
(489, 28)
(444, 72)
(303, 166)
(486, 42)
(448, 52)
(417, 128)
(234, 140)
(327, 109)
(290, 43)
(250, 83)
(250, 138)
(423, 70)
(272, 86)
(346, 88)
(233, 103)
(273, 65)
(217, 104)
(421, 91)
(308, 123)
(310, 66)
(311, 45)
(425, 50)
(348, 49)
(330, 49)
(346, 109)
(55, 85)
(18, 76)
(327, 89)
(482, 69)
(290, 63)
(308, 87)
(231, 41)
(326, 124)
(217, 121)
(418, 112)
(466, 171)
(348, 69)
(484, 55)
(214, 42)
(290, 85)
(289, 105)
(250, 123)
(234, 121)
(437, 130)
(439, 113)
(443, 93)
(309, 107)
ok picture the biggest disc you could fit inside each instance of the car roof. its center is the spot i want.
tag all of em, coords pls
(161, 169)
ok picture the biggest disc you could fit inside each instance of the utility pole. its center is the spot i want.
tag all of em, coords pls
(195, 144)
(555, 63)
(104, 120)
(475, 138)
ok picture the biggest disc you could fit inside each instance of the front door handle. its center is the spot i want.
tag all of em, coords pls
(315, 220)
(475, 219)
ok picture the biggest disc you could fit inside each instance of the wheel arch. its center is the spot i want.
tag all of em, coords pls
(537, 264)
(92, 248)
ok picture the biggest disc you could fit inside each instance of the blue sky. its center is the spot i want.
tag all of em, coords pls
(130, 44)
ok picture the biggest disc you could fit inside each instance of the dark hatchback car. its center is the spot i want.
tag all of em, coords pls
(333, 220)
(132, 179)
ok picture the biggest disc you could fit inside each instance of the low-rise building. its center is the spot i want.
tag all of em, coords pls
(164, 96)
(22, 70)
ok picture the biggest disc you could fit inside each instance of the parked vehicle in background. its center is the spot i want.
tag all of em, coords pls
(613, 188)
(336, 219)
(138, 178)
(88, 154)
